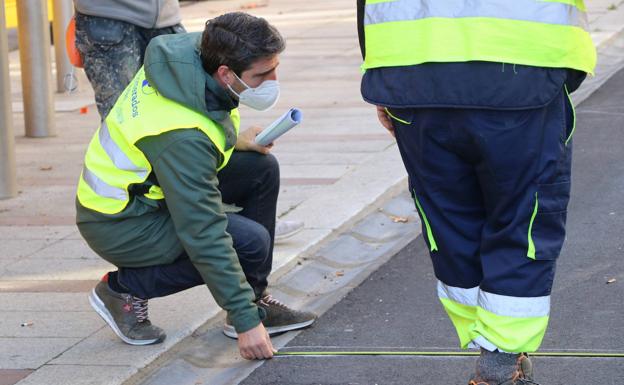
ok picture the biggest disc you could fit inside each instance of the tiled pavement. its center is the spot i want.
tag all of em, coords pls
(334, 167)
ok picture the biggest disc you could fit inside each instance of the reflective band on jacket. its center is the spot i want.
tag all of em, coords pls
(113, 162)
(527, 10)
(115, 153)
(530, 32)
(102, 188)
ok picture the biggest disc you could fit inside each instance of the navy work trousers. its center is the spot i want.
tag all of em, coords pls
(250, 181)
(492, 188)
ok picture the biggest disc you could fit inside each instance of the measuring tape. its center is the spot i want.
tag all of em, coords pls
(445, 354)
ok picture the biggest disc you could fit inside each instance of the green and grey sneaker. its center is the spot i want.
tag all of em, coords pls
(279, 317)
(522, 374)
(126, 315)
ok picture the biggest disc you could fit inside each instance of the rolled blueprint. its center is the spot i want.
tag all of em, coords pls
(279, 127)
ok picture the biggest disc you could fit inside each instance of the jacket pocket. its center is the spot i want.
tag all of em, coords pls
(101, 32)
(547, 225)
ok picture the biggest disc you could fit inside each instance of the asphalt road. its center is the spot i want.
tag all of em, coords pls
(397, 308)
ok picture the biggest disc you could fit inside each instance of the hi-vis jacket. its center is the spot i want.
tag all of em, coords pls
(541, 33)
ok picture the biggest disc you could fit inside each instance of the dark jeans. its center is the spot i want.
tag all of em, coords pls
(249, 181)
(112, 52)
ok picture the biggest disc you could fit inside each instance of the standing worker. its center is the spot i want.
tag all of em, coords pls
(477, 95)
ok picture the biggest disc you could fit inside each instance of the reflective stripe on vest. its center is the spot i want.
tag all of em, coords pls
(546, 33)
(113, 162)
(527, 10)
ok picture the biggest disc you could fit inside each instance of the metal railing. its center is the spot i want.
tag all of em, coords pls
(34, 44)
(34, 49)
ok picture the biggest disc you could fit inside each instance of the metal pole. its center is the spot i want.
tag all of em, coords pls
(63, 11)
(8, 187)
(34, 47)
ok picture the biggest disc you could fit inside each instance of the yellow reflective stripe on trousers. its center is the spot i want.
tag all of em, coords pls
(432, 243)
(510, 334)
(531, 249)
(512, 324)
(485, 39)
(526, 10)
(573, 115)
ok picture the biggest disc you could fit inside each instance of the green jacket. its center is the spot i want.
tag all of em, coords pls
(191, 219)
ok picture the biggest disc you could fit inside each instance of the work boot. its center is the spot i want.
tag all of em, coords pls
(126, 315)
(493, 369)
(279, 317)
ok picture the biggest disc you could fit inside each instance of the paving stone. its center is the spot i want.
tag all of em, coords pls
(63, 323)
(379, 227)
(297, 245)
(60, 269)
(66, 249)
(35, 232)
(402, 205)
(347, 252)
(17, 248)
(79, 375)
(12, 376)
(31, 353)
(44, 302)
(47, 286)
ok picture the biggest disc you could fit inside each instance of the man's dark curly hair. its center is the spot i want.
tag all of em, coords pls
(236, 40)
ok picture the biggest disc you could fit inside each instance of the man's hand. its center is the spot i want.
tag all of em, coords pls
(247, 141)
(385, 120)
(255, 344)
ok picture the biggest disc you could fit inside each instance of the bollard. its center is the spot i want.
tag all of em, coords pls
(34, 47)
(8, 187)
(63, 11)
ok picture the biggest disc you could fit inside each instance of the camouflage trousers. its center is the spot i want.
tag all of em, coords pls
(112, 52)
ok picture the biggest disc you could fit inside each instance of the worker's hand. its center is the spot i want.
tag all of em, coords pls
(247, 141)
(385, 119)
(255, 344)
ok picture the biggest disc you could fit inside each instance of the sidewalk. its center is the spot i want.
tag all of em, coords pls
(335, 168)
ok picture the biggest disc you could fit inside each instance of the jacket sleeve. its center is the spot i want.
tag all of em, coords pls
(186, 170)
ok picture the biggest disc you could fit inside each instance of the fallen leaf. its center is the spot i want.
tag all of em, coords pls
(397, 219)
(611, 280)
(45, 168)
(253, 5)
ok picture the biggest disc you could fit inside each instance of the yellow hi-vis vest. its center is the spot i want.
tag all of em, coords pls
(542, 33)
(113, 161)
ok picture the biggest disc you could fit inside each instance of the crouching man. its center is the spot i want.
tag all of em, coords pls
(173, 195)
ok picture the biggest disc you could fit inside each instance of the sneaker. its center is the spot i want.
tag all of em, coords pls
(126, 315)
(279, 318)
(286, 229)
(522, 375)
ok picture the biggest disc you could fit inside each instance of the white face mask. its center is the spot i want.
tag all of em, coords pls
(260, 98)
